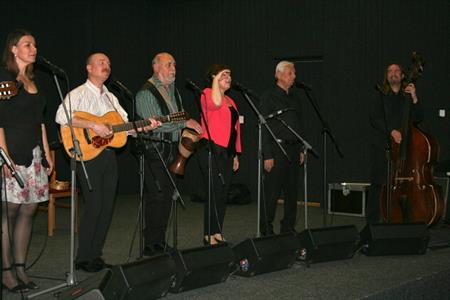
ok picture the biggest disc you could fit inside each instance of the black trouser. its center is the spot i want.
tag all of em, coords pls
(98, 204)
(214, 214)
(283, 177)
(158, 200)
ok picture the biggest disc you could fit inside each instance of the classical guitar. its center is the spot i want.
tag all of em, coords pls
(8, 89)
(92, 145)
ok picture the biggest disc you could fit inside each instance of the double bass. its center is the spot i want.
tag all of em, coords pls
(413, 195)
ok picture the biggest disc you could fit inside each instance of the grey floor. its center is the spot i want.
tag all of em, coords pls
(356, 278)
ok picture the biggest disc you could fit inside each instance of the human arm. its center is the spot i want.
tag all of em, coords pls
(235, 163)
(48, 157)
(217, 94)
(417, 112)
(5, 148)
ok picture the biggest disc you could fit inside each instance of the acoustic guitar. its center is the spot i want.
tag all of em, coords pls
(8, 89)
(92, 145)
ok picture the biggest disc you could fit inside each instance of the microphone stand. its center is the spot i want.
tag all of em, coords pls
(4, 160)
(261, 121)
(306, 147)
(76, 152)
(139, 151)
(175, 196)
(326, 130)
(211, 155)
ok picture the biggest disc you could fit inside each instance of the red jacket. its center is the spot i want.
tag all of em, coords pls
(219, 120)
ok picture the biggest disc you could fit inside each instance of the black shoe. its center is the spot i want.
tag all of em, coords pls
(19, 288)
(149, 251)
(162, 248)
(101, 263)
(29, 285)
(267, 233)
(88, 266)
(290, 230)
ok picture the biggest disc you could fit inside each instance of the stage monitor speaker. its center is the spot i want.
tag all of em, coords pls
(88, 289)
(266, 254)
(144, 279)
(387, 239)
(202, 266)
(328, 243)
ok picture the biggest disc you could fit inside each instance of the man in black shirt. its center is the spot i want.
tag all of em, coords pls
(385, 119)
(281, 175)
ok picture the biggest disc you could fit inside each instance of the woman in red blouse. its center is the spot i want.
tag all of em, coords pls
(222, 117)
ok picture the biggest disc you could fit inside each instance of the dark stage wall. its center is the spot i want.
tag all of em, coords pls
(341, 47)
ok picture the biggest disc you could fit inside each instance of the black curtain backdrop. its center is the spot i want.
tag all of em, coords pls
(341, 47)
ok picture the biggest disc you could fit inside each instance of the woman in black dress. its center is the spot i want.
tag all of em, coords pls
(24, 139)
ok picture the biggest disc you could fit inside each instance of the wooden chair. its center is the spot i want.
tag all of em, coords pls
(59, 189)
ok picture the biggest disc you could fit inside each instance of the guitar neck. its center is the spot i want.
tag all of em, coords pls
(142, 123)
(129, 126)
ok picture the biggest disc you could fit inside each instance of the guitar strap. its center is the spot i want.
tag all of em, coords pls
(162, 103)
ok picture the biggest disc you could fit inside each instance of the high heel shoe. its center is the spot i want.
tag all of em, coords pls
(19, 288)
(30, 284)
(211, 241)
(221, 240)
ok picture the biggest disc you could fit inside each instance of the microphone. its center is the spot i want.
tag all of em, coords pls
(277, 113)
(5, 158)
(50, 66)
(236, 85)
(121, 85)
(303, 85)
(194, 86)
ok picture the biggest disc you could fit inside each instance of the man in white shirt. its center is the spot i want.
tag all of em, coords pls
(93, 97)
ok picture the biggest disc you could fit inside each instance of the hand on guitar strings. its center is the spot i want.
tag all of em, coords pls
(153, 124)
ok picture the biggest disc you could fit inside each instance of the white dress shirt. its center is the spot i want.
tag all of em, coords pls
(88, 98)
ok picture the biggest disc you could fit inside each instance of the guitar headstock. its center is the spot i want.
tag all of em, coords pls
(8, 89)
(174, 117)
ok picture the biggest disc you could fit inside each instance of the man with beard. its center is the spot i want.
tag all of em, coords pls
(159, 96)
(93, 97)
(385, 120)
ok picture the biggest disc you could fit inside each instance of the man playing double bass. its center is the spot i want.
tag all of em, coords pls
(386, 122)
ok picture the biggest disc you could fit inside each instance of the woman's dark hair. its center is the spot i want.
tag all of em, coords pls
(8, 60)
(212, 71)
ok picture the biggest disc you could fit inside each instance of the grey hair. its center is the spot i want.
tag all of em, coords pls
(157, 57)
(282, 65)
